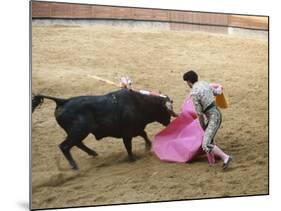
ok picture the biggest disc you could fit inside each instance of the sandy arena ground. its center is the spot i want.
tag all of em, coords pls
(63, 56)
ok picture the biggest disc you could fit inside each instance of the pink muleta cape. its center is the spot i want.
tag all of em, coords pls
(181, 140)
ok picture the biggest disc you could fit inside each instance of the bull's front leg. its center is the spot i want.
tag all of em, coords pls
(143, 134)
(128, 144)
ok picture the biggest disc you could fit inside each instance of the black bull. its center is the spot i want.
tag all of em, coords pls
(120, 114)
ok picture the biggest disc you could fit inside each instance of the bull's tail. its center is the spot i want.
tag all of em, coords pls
(39, 99)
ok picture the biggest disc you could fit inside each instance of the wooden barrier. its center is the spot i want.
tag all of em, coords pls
(179, 20)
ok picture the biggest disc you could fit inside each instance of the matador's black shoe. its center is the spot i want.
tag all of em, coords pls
(226, 164)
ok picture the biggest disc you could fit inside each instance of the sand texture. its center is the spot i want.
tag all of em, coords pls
(63, 56)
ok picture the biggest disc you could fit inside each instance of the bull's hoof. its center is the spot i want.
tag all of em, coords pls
(132, 159)
(74, 167)
(148, 147)
(94, 154)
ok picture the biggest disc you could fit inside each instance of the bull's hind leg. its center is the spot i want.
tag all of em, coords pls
(128, 144)
(143, 134)
(72, 139)
(65, 147)
(86, 149)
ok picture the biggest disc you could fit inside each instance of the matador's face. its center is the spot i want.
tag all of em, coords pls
(189, 84)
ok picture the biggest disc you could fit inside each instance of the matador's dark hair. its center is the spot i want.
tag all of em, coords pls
(190, 76)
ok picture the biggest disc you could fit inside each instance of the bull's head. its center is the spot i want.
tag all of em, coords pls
(169, 106)
(168, 111)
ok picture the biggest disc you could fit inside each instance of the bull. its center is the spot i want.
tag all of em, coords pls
(119, 114)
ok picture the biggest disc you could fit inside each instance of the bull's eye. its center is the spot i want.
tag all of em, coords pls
(169, 105)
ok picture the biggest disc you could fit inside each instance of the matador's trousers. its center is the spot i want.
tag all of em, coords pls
(214, 119)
